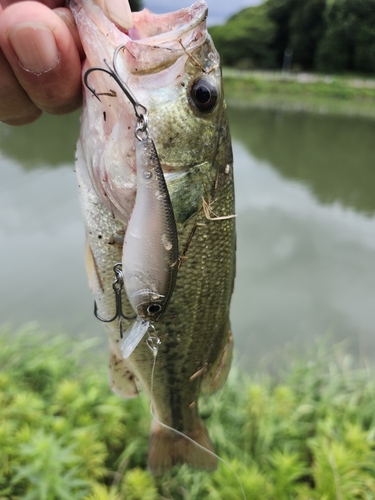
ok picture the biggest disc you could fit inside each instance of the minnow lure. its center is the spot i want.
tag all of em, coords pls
(150, 252)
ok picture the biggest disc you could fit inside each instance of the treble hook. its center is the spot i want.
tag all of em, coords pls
(140, 111)
(117, 286)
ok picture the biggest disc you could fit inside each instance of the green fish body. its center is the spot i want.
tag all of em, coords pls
(172, 68)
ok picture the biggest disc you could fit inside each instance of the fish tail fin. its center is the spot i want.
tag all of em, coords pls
(168, 448)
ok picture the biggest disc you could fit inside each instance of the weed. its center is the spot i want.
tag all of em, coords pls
(307, 435)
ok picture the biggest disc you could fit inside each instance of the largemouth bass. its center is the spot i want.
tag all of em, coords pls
(171, 66)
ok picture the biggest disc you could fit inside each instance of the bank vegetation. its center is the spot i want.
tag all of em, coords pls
(325, 36)
(307, 433)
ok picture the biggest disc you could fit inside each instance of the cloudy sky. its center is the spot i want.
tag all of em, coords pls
(218, 11)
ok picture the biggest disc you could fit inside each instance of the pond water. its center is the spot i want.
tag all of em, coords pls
(306, 232)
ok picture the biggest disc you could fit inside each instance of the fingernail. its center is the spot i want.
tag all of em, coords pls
(119, 11)
(35, 47)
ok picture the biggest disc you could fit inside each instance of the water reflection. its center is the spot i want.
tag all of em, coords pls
(47, 142)
(306, 236)
(42, 275)
(333, 155)
(305, 267)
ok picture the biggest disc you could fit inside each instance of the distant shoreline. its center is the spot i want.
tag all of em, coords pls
(301, 92)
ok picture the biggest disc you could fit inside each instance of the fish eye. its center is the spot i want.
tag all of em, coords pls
(203, 95)
(154, 308)
(147, 174)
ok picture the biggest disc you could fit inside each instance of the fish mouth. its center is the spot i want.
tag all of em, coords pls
(156, 41)
(163, 28)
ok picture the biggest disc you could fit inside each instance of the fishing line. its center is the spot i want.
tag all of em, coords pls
(155, 350)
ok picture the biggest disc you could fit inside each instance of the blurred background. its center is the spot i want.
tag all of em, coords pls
(299, 80)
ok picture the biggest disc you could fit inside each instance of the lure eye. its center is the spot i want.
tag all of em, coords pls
(203, 95)
(154, 308)
(147, 174)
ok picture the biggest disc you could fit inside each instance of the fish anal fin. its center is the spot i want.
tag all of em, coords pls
(217, 373)
(167, 449)
(122, 379)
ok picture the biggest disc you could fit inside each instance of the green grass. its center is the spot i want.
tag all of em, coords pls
(307, 434)
(314, 93)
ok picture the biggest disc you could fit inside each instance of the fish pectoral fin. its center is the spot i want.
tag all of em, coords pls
(122, 379)
(168, 448)
(92, 269)
(132, 337)
(217, 372)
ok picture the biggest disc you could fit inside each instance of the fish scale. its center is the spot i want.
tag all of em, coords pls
(193, 144)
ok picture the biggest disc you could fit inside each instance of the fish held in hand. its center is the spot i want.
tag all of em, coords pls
(171, 66)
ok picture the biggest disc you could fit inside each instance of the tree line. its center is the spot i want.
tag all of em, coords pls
(329, 36)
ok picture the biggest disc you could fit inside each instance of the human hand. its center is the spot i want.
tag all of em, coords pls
(40, 57)
(40, 60)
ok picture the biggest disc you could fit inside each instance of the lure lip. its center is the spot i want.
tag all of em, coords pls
(133, 336)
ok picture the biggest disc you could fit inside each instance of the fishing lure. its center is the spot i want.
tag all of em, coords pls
(150, 252)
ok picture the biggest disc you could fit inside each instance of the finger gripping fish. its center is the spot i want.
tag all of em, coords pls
(172, 67)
